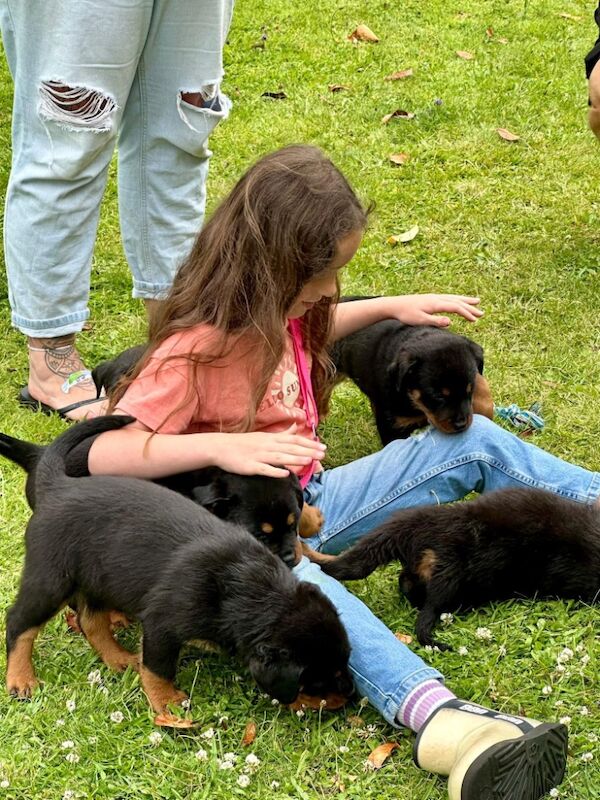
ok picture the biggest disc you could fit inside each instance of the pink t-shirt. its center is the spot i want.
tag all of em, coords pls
(223, 389)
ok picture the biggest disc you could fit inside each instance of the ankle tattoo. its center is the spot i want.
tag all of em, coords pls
(62, 359)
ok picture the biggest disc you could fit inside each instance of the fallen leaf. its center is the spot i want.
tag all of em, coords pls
(405, 638)
(398, 76)
(171, 721)
(399, 112)
(331, 702)
(505, 134)
(564, 15)
(405, 237)
(337, 87)
(465, 55)
(489, 33)
(249, 733)
(363, 34)
(399, 158)
(356, 722)
(88, 326)
(502, 40)
(275, 95)
(378, 757)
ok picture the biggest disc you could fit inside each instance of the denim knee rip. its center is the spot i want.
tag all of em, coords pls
(76, 107)
(202, 116)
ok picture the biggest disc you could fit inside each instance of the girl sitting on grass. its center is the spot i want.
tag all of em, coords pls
(235, 376)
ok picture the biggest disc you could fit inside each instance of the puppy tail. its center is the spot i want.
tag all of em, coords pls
(375, 550)
(51, 469)
(25, 454)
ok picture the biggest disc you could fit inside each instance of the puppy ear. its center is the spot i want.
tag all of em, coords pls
(275, 672)
(213, 499)
(477, 352)
(402, 367)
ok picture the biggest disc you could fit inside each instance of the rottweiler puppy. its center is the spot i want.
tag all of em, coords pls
(108, 373)
(103, 542)
(414, 375)
(271, 509)
(506, 543)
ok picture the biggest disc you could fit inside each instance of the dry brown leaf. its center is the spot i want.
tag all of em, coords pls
(464, 54)
(337, 87)
(399, 112)
(405, 638)
(489, 33)
(505, 134)
(378, 757)
(331, 702)
(249, 733)
(564, 15)
(398, 76)
(363, 34)
(356, 722)
(405, 237)
(171, 721)
(399, 158)
(502, 40)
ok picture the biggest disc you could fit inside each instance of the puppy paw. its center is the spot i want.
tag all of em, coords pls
(168, 720)
(72, 621)
(119, 662)
(118, 620)
(311, 521)
(22, 687)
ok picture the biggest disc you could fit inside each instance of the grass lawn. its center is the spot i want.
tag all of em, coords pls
(516, 223)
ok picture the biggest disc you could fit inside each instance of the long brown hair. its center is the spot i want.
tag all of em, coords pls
(276, 230)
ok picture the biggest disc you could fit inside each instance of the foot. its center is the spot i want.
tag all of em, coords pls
(58, 377)
(486, 754)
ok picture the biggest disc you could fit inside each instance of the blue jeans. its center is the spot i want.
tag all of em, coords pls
(127, 64)
(430, 467)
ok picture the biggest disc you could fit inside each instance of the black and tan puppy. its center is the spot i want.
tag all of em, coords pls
(507, 543)
(106, 542)
(414, 375)
(108, 373)
(271, 509)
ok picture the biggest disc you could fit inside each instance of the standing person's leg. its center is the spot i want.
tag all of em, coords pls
(174, 104)
(592, 73)
(72, 64)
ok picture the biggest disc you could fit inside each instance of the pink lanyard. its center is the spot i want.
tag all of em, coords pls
(310, 405)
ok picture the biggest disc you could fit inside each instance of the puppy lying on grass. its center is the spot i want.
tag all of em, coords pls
(105, 542)
(507, 543)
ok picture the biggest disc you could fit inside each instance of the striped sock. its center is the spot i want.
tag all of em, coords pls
(421, 703)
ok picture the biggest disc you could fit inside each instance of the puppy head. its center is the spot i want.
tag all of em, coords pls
(269, 508)
(439, 380)
(312, 650)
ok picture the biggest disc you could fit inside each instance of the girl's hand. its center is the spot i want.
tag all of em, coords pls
(271, 454)
(420, 309)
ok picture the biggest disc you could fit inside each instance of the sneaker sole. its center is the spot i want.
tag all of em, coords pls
(519, 769)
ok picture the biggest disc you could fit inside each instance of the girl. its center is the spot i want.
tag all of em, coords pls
(235, 376)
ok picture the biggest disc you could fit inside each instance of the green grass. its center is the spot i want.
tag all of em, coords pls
(517, 224)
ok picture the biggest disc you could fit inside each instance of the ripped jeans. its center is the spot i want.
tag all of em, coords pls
(86, 73)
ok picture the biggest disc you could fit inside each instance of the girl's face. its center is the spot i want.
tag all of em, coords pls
(324, 284)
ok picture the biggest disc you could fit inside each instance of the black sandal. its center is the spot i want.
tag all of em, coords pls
(27, 401)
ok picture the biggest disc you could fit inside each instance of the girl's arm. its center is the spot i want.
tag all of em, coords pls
(412, 309)
(134, 451)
